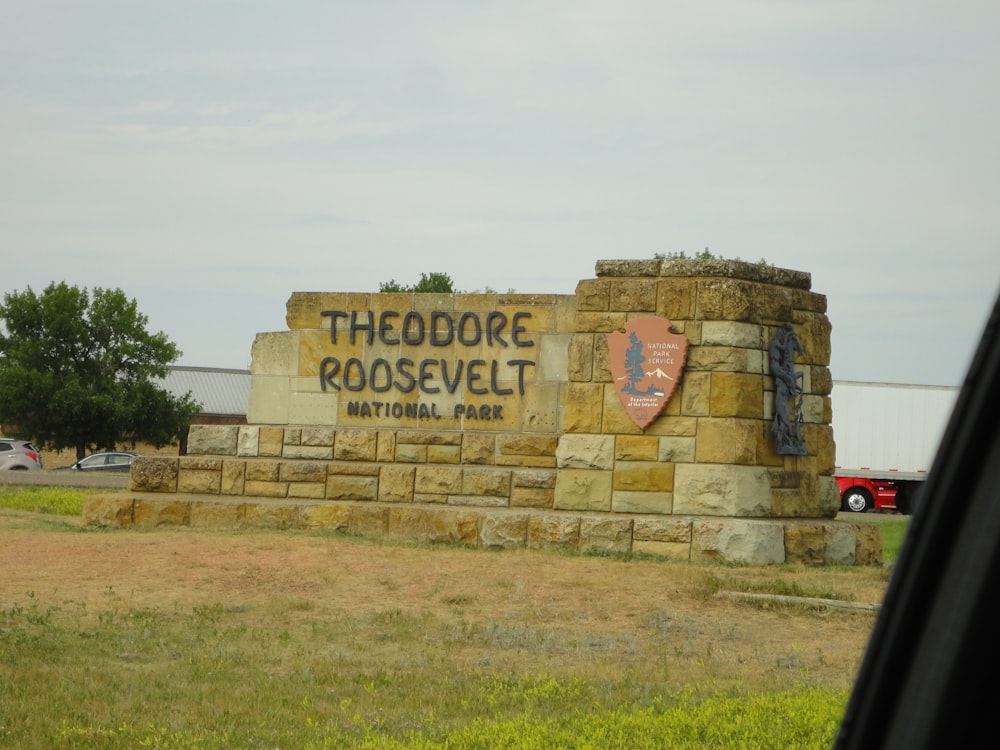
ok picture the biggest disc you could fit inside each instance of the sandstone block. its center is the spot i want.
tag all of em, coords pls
(721, 490)
(731, 333)
(233, 476)
(478, 449)
(583, 407)
(725, 299)
(395, 484)
(533, 478)
(444, 454)
(631, 501)
(302, 471)
(213, 439)
(527, 445)
(385, 446)
(199, 482)
(633, 295)
(308, 452)
(212, 514)
(440, 480)
(258, 488)
(108, 510)
(736, 394)
(583, 489)
(329, 516)
(676, 449)
(154, 474)
(483, 481)
(263, 470)
(605, 535)
(593, 294)
(728, 440)
(307, 490)
(643, 476)
(274, 354)
(369, 520)
(742, 542)
(553, 530)
(409, 453)
(582, 451)
(599, 322)
(152, 513)
(270, 441)
(268, 403)
(675, 298)
(806, 544)
(355, 445)
(531, 497)
(271, 515)
(503, 530)
(580, 358)
(248, 441)
(637, 448)
(433, 525)
(351, 487)
(674, 530)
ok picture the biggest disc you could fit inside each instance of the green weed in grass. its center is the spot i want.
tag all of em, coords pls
(61, 501)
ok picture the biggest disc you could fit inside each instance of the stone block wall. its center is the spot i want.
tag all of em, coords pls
(494, 420)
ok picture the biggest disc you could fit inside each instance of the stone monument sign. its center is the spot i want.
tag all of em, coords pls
(641, 414)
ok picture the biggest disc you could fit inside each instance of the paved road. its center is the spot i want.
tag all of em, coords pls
(67, 478)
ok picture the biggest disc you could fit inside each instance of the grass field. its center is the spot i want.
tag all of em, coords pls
(202, 639)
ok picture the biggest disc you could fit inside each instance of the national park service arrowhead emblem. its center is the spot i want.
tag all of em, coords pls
(646, 364)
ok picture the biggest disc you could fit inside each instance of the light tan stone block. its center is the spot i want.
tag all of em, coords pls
(271, 515)
(369, 520)
(148, 513)
(540, 409)
(553, 530)
(346, 487)
(725, 299)
(531, 497)
(248, 441)
(434, 525)
(730, 333)
(310, 490)
(214, 514)
(527, 445)
(199, 482)
(385, 449)
(583, 451)
(637, 448)
(737, 394)
(643, 476)
(635, 501)
(395, 484)
(441, 480)
(600, 322)
(270, 441)
(593, 294)
(580, 357)
(695, 394)
(482, 481)
(212, 439)
(154, 474)
(105, 511)
(302, 471)
(676, 449)
(503, 530)
(478, 449)
(409, 453)
(583, 489)
(737, 541)
(675, 298)
(633, 295)
(233, 475)
(328, 516)
(274, 354)
(356, 445)
(728, 441)
(675, 530)
(666, 550)
(253, 487)
(308, 452)
(583, 408)
(721, 490)
(606, 535)
(268, 400)
(263, 470)
(813, 332)
(530, 477)
(304, 309)
(444, 454)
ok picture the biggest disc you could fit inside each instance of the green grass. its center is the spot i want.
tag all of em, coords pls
(209, 677)
(229, 674)
(61, 501)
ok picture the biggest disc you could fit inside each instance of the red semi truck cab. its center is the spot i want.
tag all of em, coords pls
(859, 494)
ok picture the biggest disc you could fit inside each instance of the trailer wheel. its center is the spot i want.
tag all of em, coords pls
(856, 500)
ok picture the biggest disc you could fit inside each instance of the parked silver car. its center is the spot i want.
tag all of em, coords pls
(118, 461)
(19, 455)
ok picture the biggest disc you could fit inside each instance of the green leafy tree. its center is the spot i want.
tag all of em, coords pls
(429, 283)
(76, 370)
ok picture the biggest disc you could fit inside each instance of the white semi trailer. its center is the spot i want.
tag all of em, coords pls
(886, 436)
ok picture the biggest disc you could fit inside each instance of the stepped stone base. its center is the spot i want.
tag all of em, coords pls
(728, 540)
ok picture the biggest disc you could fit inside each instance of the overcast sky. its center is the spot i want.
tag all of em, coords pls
(210, 158)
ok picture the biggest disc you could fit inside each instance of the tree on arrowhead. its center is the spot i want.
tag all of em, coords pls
(76, 371)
